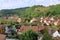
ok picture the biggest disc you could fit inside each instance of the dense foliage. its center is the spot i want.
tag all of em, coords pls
(46, 35)
(28, 35)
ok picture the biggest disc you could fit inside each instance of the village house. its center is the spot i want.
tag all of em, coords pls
(56, 34)
(34, 20)
(41, 19)
(52, 19)
(11, 18)
(45, 20)
(25, 28)
(56, 22)
(19, 20)
(4, 17)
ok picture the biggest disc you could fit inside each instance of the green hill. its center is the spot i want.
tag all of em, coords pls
(34, 11)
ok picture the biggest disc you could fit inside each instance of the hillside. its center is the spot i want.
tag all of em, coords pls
(34, 11)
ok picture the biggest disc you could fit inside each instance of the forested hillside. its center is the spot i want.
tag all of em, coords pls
(34, 11)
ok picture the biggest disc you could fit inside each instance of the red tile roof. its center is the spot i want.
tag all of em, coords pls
(2, 37)
(35, 28)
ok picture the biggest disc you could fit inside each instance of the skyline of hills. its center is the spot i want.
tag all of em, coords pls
(34, 11)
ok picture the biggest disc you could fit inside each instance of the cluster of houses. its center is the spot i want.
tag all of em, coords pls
(12, 18)
(48, 20)
(17, 29)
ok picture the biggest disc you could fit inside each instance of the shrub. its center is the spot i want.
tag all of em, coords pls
(28, 35)
(47, 36)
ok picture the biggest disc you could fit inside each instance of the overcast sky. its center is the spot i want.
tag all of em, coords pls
(11, 4)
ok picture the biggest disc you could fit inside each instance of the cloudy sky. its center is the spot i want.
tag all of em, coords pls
(11, 4)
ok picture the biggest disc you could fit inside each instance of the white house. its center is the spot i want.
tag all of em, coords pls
(19, 20)
(34, 20)
(52, 19)
(56, 34)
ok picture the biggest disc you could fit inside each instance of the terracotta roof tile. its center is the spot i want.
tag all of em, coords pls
(35, 28)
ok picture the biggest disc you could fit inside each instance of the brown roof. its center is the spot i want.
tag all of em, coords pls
(35, 28)
(35, 19)
(2, 37)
